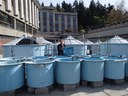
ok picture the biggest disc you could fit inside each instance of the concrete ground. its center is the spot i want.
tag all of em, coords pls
(106, 90)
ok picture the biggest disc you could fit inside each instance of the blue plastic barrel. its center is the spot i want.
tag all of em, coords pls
(39, 57)
(92, 69)
(67, 71)
(40, 73)
(126, 69)
(115, 68)
(11, 76)
(8, 58)
(99, 56)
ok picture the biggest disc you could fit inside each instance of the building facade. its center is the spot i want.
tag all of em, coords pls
(19, 17)
(53, 21)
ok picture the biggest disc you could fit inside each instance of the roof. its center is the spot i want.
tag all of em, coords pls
(41, 40)
(88, 42)
(21, 41)
(98, 42)
(71, 40)
(116, 40)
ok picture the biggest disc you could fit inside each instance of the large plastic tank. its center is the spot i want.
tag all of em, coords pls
(92, 69)
(126, 69)
(40, 73)
(11, 75)
(67, 71)
(38, 58)
(23, 50)
(115, 68)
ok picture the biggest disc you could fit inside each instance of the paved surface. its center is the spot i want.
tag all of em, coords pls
(106, 90)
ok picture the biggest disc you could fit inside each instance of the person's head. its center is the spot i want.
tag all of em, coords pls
(61, 41)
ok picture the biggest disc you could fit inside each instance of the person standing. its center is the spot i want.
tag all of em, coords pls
(60, 47)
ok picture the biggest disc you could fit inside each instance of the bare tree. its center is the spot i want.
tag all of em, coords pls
(121, 6)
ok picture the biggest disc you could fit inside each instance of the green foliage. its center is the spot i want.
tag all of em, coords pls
(58, 8)
(51, 5)
(42, 4)
(80, 28)
(75, 6)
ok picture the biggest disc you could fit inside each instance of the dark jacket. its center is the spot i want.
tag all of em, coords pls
(60, 49)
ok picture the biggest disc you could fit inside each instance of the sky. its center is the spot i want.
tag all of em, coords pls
(86, 2)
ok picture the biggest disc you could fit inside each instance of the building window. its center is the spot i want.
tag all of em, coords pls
(20, 26)
(56, 22)
(6, 20)
(51, 21)
(56, 17)
(45, 21)
(45, 29)
(62, 22)
(68, 22)
(29, 29)
(45, 24)
(51, 29)
(57, 27)
(44, 14)
(74, 23)
(34, 31)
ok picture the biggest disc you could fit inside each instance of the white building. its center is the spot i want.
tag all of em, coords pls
(53, 21)
(19, 17)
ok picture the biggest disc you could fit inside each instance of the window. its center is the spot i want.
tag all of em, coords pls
(62, 19)
(28, 29)
(45, 29)
(20, 25)
(68, 22)
(75, 22)
(44, 19)
(34, 31)
(51, 29)
(56, 17)
(57, 27)
(44, 14)
(51, 21)
(62, 22)
(6, 20)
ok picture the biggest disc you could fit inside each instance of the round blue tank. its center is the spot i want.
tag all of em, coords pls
(11, 60)
(92, 69)
(11, 76)
(114, 68)
(39, 57)
(99, 56)
(8, 58)
(24, 50)
(60, 57)
(67, 71)
(126, 69)
(40, 73)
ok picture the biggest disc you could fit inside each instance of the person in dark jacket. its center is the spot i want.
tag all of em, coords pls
(60, 47)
